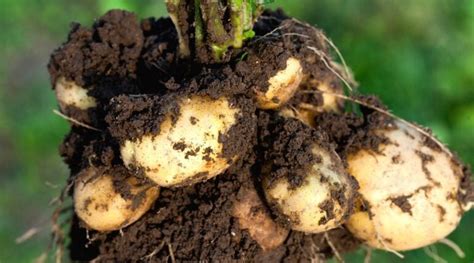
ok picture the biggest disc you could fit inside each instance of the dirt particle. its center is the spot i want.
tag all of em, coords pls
(193, 120)
(403, 203)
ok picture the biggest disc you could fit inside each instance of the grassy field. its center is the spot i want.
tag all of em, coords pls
(418, 56)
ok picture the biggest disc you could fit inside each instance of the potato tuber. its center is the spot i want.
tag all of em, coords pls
(282, 86)
(101, 207)
(253, 216)
(189, 149)
(323, 200)
(409, 189)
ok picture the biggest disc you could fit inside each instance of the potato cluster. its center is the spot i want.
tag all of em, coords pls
(398, 194)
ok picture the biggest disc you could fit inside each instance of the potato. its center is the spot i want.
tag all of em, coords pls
(254, 217)
(70, 94)
(410, 191)
(102, 208)
(282, 86)
(188, 150)
(306, 112)
(322, 202)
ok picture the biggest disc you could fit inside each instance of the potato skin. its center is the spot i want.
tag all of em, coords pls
(282, 86)
(306, 112)
(313, 207)
(188, 150)
(254, 217)
(409, 189)
(102, 208)
(70, 94)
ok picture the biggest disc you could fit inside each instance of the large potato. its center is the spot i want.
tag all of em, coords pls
(101, 207)
(188, 150)
(409, 189)
(322, 202)
(282, 86)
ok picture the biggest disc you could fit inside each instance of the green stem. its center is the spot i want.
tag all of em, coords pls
(237, 20)
(210, 30)
(198, 29)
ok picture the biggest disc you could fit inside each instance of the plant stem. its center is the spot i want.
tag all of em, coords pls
(212, 27)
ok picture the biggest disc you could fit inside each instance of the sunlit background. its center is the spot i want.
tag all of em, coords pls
(418, 56)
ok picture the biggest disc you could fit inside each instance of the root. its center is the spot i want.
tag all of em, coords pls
(27, 235)
(154, 252)
(453, 246)
(327, 64)
(385, 112)
(382, 242)
(468, 206)
(170, 249)
(333, 248)
(42, 258)
(368, 255)
(267, 35)
(348, 76)
(75, 121)
(432, 252)
(314, 255)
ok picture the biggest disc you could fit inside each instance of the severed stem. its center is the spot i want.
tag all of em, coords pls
(207, 29)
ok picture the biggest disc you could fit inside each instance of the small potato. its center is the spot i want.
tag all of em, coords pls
(282, 86)
(306, 112)
(409, 189)
(330, 101)
(102, 208)
(70, 94)
(322, 202)
(253, 216)
(189, 150)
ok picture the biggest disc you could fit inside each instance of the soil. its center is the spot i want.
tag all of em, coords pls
(134, 72)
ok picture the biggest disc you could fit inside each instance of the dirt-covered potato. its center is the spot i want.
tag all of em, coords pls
(409, 189)
(188, 149)
(282, 86)
(254, 217)
(69, 94)
(321, 202)
(106, 203)
(303, 179)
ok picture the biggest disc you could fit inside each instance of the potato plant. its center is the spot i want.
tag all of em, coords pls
(230, 112)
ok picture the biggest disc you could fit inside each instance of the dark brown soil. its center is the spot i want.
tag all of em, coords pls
(133, 70)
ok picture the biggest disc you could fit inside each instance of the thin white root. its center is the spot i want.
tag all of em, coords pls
(326, 63)
(269, 33)
(154, 252)
(431, 252)
(42, 258)
(347, 72)
(75, 121)
(398, 254)
(339, 54)
(170, 248)
(333, 248)
(368, 255)
(453, 246)
(27, 235)
(468, 206)
(373, 107)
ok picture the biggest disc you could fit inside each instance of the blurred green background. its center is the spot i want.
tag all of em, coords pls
(418, 56)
